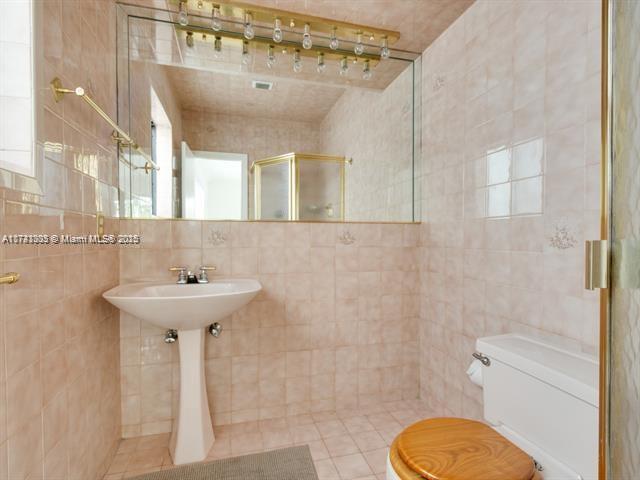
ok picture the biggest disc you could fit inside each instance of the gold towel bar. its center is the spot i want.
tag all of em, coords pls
(120, 135)
(9, 278)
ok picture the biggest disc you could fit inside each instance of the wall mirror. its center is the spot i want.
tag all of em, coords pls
(246, 113)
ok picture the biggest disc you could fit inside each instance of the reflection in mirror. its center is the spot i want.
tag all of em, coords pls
(252, 131)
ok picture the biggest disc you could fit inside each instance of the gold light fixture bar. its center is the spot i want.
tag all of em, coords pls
(329, 54)
(118, 134)
(265, 16)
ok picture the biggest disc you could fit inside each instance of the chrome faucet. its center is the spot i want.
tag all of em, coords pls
(203, 277)
(183, 275)
(186, 276)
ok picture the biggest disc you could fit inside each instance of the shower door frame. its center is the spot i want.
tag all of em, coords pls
(605, 234)
(293, 160)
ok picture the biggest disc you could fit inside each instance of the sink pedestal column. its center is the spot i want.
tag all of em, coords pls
(192, 435)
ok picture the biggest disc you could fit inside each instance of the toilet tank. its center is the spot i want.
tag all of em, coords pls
(542, 396)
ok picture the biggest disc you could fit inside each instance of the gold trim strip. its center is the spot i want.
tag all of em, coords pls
(9, 278)
(605, 218)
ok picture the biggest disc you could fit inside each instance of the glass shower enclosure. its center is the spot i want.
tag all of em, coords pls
(300, 186)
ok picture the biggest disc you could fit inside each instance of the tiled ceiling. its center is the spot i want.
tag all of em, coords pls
(234, 94)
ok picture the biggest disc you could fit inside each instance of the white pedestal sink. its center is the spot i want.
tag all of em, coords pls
(187, 308)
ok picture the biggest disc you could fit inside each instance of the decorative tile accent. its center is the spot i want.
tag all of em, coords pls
(346, 238)
(216, 237)
(438, 82)
(562, 239)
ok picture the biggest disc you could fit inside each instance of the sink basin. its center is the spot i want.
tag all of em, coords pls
(187, 308)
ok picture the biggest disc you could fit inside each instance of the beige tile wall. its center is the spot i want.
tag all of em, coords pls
(59, 363)
(504, 74)
(375, 128)
(335, 325)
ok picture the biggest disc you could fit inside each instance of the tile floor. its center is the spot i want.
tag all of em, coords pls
(345, 445)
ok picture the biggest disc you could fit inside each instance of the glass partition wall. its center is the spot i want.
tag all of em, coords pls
(213, 95)
(299, 186)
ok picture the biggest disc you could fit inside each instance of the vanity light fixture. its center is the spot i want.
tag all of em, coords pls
(183, 14)
(321, 65)
(344, 67)
(190, 41)
(271, 57)
(246, 56)
(249, 32)
(366, 71)
(307, 43)
(334, 43)
(384, 48)
(358, 49)
(297, 61)
(277, 30)
(216, 23)
(200, 4)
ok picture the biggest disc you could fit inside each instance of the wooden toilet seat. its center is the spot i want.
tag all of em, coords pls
(458, 449)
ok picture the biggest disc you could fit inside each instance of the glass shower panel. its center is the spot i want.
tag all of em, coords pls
(624, 346)
(275, 191)
(320, 188)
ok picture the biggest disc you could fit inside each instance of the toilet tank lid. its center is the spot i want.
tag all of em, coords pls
(573, 372)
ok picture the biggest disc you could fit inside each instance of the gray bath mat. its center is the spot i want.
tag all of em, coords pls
(294, 463)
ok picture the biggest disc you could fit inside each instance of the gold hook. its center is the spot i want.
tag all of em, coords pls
(9, 278)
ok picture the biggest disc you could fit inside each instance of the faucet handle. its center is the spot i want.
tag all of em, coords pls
(182, 273)
(203, 278)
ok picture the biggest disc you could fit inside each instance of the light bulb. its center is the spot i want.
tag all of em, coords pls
(271, 57)
(246, 56)
(366, 71)
(321, 65)
(334, 43)
(359, 47)
(277, 31)
(183, 15)
(384, 48)
(249, 33)
(216, 23)
(200, 4)
(190, 41)
(307, 43)
(344, 67)
(217, 46)
(297, 62)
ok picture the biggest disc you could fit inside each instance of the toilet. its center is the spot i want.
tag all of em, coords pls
(541, 413)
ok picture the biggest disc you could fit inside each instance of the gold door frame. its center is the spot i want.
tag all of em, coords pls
(605, 223)
(293, 159)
